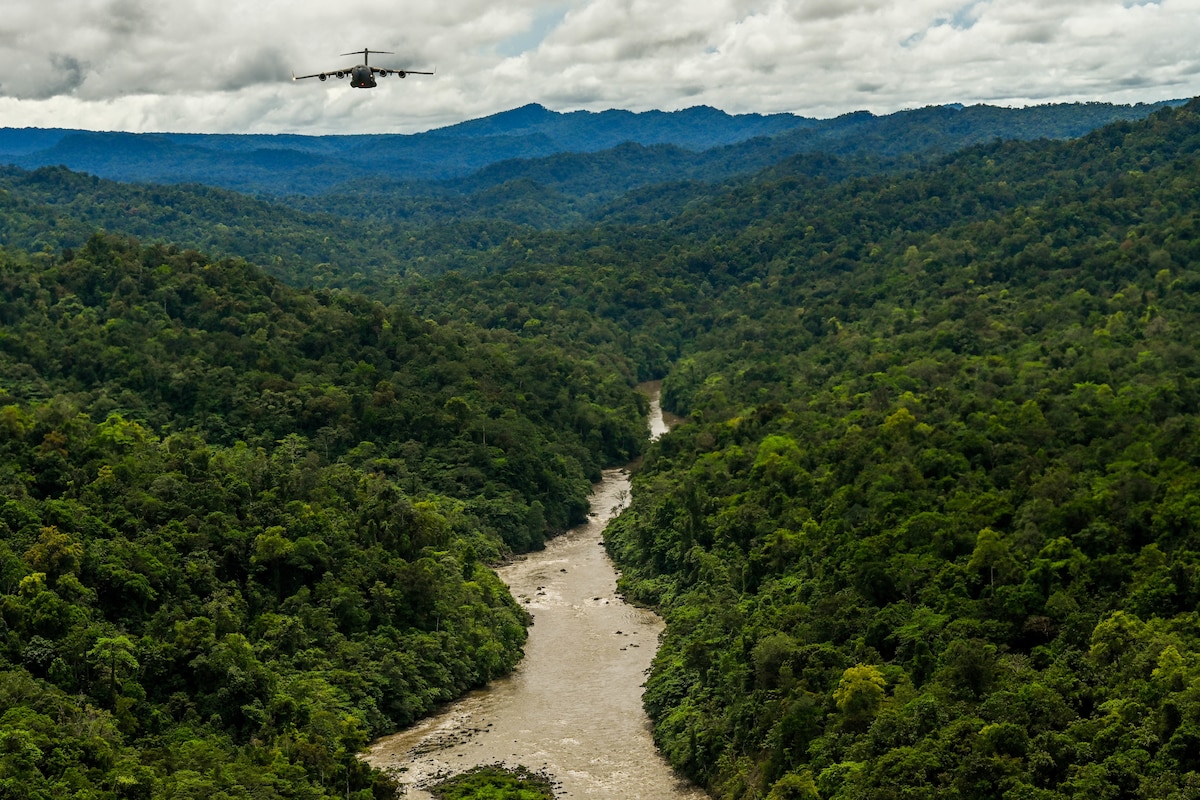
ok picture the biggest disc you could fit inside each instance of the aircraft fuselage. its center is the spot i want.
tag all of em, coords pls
(361, 77)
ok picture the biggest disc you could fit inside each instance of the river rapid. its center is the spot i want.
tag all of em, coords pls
(573, 707)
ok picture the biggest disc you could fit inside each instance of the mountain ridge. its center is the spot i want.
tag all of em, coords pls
(251, 163)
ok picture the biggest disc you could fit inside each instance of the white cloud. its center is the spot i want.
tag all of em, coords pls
(223, 65)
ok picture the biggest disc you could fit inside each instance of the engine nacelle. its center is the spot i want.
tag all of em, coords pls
(383, 73)
(323, 76)
(402, 74)
(341, 75)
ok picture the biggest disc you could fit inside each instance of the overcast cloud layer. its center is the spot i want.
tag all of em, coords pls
(226, 65)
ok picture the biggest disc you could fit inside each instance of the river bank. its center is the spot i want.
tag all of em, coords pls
(572, 708)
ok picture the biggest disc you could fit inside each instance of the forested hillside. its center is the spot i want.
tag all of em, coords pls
(244, 529)
(931, 526)
(352, 211)
(929, 530)
(364, 229)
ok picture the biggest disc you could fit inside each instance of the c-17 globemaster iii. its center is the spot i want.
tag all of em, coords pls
(362, 76)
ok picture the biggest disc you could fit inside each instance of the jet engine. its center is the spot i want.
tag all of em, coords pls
(323, 76)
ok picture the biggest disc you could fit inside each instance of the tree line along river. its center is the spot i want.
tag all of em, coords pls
(572, 709)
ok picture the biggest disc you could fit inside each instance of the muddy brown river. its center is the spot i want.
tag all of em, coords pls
(573, 707)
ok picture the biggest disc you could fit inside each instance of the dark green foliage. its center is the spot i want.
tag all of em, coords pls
(244, 528)
(495, 783)
(929, 528)
(356, 211)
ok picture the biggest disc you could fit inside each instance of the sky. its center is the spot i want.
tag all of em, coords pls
(225, 66)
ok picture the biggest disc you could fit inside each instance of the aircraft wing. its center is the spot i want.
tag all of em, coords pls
(296, 77)
(400, 72)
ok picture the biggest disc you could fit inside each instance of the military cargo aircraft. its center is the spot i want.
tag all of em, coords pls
(362, 76)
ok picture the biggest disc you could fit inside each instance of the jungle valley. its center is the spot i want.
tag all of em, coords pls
(270, 412)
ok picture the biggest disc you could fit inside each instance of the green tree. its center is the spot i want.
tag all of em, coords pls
(794, 786)
(114, 657)
(860, 694)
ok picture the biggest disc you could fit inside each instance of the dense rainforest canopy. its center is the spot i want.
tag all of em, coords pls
(930, 528)
(245, 528)
(356, 211)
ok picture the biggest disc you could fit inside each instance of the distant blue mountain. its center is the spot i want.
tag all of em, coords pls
(695, 143)
(21, 141)
(285, 164)
(696, 128)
